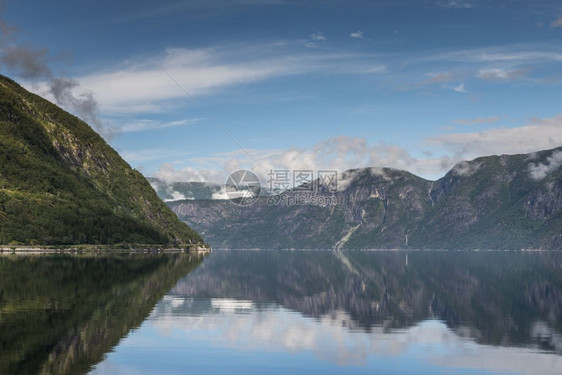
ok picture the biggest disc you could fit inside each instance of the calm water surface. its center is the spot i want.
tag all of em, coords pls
(243, 312)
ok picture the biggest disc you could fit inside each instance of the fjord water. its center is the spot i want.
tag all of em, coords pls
(60, 314)
(283, 312)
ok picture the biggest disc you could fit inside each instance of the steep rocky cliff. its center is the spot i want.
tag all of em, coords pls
(500, 202)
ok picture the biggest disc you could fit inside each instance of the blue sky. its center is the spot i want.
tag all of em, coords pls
(416, 85)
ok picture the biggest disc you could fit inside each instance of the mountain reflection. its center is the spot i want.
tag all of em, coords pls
(493, 298)
(282, 312)
(61, 314)
(246, 327)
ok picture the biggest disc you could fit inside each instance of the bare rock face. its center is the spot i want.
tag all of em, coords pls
(496, 202)
(545, 202)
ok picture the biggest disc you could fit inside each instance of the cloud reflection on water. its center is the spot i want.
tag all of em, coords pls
(249, 328)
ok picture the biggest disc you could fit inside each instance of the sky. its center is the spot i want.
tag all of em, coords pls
(193, 90)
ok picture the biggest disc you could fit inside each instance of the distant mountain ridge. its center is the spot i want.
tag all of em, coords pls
(61, 183)
(493, 202)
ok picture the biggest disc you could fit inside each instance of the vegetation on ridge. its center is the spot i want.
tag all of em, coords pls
(61, 183)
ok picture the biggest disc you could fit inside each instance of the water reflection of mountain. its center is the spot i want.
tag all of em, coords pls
(60, 315)
(499, 298)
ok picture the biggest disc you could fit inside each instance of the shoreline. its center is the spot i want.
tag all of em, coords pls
(102, 249)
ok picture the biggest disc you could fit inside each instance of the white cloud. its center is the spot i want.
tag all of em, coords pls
(139, 86)
(358, 34)
(176, 196)
(539, 171)
(317, 37)
(518, 54)
(500, 74)
(460, 88)
(375, 69)
(465, 168)
(540, 134)
(506, 63)
(221, 194)
(315, 40)
(141, 155)
(168, 173)
(143, 125)
(343, 153)
(433, 78)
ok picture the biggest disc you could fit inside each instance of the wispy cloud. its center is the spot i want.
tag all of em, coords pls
(144, 125)
(343, 153)
(200, 71)
(374, 69)
(357, 34)
(460, 88)
(538, 171)
(539, 134)
(140, 86)
(507, 64)
(152, 154)
(317, 37)
(439, 77)
(315, 40)
(432, 78)
(500, 74)
(340, 153)
(168, 173)
(517, 53)
(457, 4)
(477, 120)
